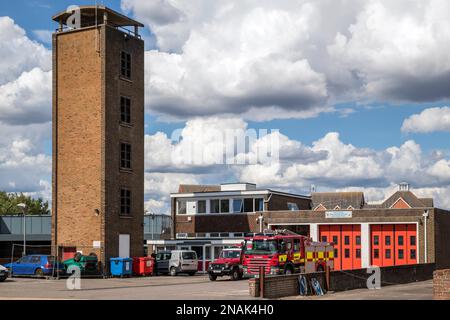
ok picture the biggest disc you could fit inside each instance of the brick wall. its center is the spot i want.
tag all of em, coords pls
(87, 135)
(367, 216)
(441, 284)
(442, 238)
(282, 286)
(279, 202)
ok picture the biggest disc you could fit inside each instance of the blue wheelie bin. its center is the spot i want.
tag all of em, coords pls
(121, 267)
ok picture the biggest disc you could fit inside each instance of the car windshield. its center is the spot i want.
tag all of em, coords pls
(189, 255)
(230, 254)
(264, 246)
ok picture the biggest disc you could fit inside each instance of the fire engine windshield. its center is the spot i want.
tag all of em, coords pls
(264, 246)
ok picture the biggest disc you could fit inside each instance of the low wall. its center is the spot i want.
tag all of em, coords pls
(283, 286)
(441, 284)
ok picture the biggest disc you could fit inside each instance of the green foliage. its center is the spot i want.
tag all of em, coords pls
(9, 202)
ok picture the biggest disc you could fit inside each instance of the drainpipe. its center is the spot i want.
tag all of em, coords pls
(425, 216)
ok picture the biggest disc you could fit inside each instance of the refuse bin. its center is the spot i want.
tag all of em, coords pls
(143, 266)
(121, 267)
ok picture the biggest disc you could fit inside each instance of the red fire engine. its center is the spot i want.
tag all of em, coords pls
(284, 252)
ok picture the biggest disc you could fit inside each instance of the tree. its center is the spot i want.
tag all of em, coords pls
(9, 202)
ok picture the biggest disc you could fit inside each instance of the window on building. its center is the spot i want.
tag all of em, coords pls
(125, 202)
(358, 240)
(347, 253)
(225, 235)
(413, 254)
(400, 240)
(387, 240)
(125, 156)
(215, 206)
(292, 206)
(412, 240)
(335, 240)
(376, 240)
(388, 253)
(259, 204)
(224, 206)
(324, 239)
(336, 253)
(238, 235)
(296, 245)
(376, 253)
(181, 206)
(214, 235)
(238, 205)
(358, 253)
(401, 254)
(201, 206)
(125, 65)
(347, 240)
(125, 110)
(248, 205)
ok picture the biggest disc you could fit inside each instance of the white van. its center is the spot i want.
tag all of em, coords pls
(177, 261)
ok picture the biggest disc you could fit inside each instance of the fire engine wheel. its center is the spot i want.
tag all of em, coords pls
(212, 277)
(235, 275)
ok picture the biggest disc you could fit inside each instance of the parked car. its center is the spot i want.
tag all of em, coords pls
(87, 264)
(37, 265)
(177, 261)
(3, 273)
(229, 263)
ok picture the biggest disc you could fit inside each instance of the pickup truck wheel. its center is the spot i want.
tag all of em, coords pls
(173, 271)
(235, 274)
(39, 273)
(212, 277)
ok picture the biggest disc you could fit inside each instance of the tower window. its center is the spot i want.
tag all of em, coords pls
(125, 156)
(125, 65)
(125, 110)
(125, 202)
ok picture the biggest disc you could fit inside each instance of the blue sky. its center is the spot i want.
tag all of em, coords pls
(375, 79)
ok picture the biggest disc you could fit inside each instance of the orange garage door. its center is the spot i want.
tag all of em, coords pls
(393, 244)
(347, 244)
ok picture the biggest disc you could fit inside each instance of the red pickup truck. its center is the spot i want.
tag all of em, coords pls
(229, 264)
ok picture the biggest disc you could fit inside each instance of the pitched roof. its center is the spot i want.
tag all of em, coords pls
(342, 199)
(191, 188)
(408, 197)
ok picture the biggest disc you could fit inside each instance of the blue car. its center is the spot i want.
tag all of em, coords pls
(36, 265)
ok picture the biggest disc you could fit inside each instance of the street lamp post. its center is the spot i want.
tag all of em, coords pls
(23, 207)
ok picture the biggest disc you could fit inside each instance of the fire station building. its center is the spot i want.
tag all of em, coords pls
(403, 229)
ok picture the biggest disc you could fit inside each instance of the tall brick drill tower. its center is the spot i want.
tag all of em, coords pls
(98, 134)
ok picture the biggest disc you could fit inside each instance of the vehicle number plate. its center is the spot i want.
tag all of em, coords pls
(217, 271)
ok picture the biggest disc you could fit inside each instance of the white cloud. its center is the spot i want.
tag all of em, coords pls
(429, 120)
(27, 99)
(328, 163)
(23, 168)
(18, 52)
(292, 59)
(44, 36)
(398, 49)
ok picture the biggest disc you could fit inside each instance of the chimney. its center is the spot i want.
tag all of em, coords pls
(404, 186)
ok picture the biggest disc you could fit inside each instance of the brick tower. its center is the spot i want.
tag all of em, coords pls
(98, 134)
